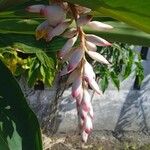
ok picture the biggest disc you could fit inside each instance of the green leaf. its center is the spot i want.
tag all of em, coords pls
(28, 43)
(19, 128)
(4, 4)
(129, 63)
(133, 12)
(115, 80)
(120, 33)
(139, 72)
(104, 83)
(19, 26)
(45, 60)
(33, 73)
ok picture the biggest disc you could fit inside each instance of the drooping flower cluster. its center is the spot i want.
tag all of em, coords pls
(80, 71)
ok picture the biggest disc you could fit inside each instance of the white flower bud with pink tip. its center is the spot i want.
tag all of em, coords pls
(96, 25)
(88, 71)
(98, 57)
(86, 101)
(97, 40)
(68, 45)
(54, 14)
(79, 97)
(59, 29)
(87, 125)
(75, 59)
(35, 8)
(93, 84)
(42, 29)
(90, 46)
(73, 76)
(83, 20)
(84, 136)
(77, 87)
(70, 33)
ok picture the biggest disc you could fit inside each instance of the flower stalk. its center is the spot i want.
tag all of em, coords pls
(81, 73)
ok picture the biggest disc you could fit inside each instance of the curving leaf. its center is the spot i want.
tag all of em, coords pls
(104, 83)
(28, 43)
(133, 12)
(120, 33)
(19, 128)
(115, 79)
(4, 4)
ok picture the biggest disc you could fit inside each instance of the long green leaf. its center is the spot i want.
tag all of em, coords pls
(28, 43)
(120, 33)
(19, 128)
(4, 4)
(133, 12)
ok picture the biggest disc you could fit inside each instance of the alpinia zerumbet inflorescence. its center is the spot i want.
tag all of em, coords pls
(81, 74)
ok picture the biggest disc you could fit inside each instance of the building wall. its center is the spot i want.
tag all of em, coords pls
(117, 111)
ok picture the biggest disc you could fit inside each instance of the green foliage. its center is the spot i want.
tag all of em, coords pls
(23, 22)
(40, 63)
(120, 33)
(133, 12)
(124, 62)
(19, 128)
(28, 59)
(23, 55)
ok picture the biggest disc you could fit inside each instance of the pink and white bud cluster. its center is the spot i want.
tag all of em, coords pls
(55, 23)
(73, 53)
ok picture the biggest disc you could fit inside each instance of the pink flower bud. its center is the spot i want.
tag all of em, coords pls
(68, 45)
(73, 76)
(42, 29)
(77, 87)
(35, 8)
(96, 25)
(79, 97)
(93, 84)
(97, 40)
(59, 29)
(83, 20)
(70, 33)
(88, 71)
(75, 59)
(84, 136)
(88, 126)
(54, 14)
(86, 101)
(90, 46)
(98, 57)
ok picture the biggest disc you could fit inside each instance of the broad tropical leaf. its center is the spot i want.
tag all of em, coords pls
(19, 128)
